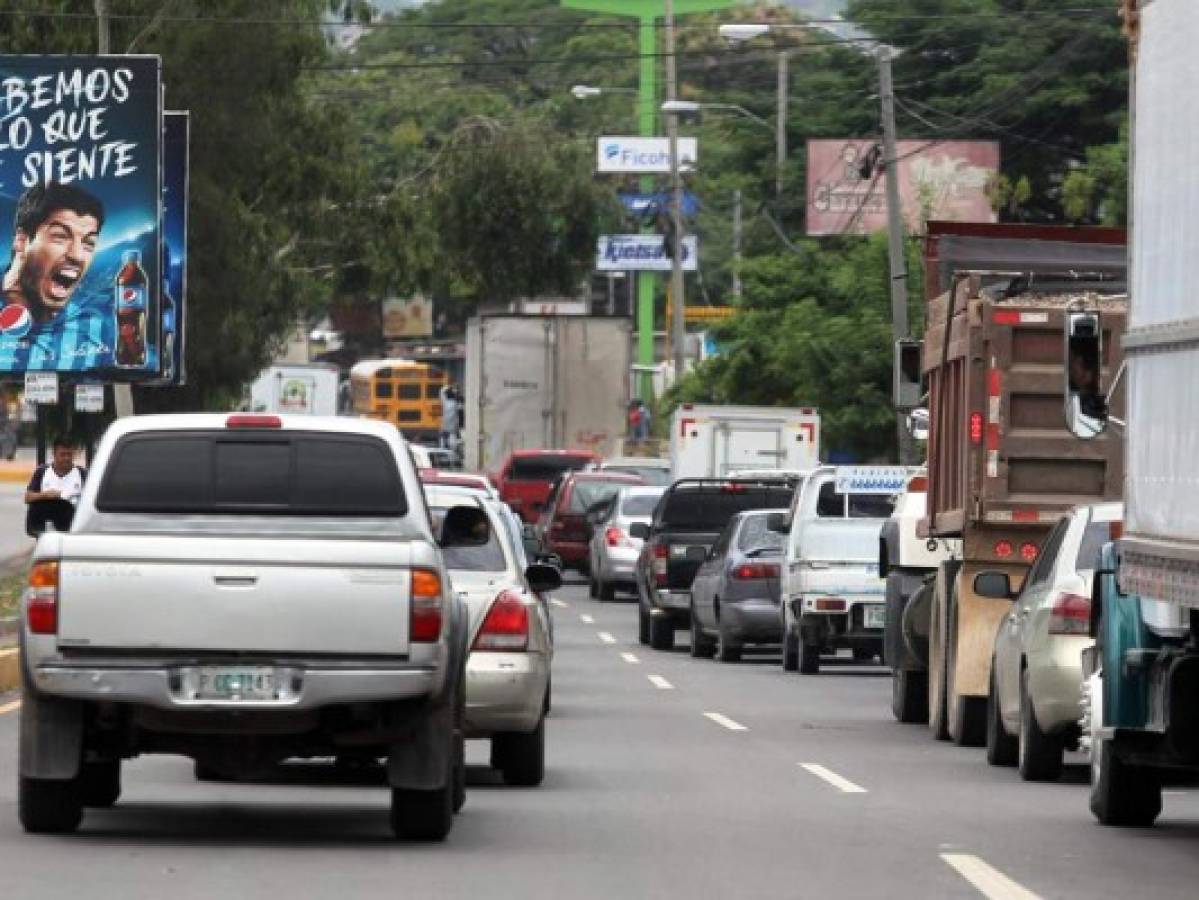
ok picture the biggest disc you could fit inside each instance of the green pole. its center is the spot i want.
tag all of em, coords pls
(647, 96)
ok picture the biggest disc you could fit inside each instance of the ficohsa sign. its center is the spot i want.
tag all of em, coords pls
(644, 156)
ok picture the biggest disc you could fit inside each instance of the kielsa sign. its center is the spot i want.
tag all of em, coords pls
(944, 180)
(642, 253)
(643, 156)
(80, 233)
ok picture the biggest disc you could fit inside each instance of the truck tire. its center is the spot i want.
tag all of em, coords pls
(909, 696)
(642, 624)
(702, 646)
(661, 633)
(809, 657)
(1122, 795)
(1039, 755)
(790, 652)
(1001, 746)
(49, 807)
(966, 716)
(100, 783)
(521, 757)
(938, 718)
(421, 815)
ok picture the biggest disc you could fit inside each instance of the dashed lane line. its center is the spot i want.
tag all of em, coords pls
(586, 619)
(630, 658)
(558, 603)
(986, 879)
(842, 784)
(12, 706)
(606, 637)
(660, 683)
(725, 722)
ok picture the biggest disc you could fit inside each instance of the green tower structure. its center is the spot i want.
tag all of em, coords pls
(647, 13)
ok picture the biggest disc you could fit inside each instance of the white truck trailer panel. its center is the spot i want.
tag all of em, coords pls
(712, 441)
(296, 390)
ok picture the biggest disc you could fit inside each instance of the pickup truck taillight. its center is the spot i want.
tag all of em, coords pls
(755, 571)
(41, 602)
(426, 606)
(506, 627)
(1071, 614)
(660, 552)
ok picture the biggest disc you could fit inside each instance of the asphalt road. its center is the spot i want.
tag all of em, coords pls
(668, 777)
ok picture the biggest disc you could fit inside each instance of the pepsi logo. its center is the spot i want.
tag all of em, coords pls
(128, 295)
(15, 321)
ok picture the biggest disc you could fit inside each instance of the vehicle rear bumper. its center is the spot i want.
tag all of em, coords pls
(673, 600)
(1056, 686)
(301, 687)
(504, 692)
(571, 552)
(751, 621)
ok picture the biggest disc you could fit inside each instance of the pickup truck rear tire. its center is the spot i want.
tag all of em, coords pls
(607, 592)
(909, 696)
(661, 633)
(1039, 754)
(593, 588)
(727, 650)
(423, 815)
(101, 783)
(1001, 746)
(521, 757)
(49, 807)
(1122, 795)
(790, 652)
(809, 657)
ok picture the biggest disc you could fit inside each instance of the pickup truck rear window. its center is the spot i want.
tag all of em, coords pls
(545, 468)
(279, 473)
(709, 508)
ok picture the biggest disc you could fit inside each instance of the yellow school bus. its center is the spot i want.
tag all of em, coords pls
(405, 393)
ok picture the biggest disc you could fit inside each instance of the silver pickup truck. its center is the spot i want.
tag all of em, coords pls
(243, 590)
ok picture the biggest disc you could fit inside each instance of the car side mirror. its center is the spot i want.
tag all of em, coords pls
(778, 523)
(918, 424)
(528, 537)
(465, 526)
(993, 585)
(639, 530)
(1086, 405)
(543, 578)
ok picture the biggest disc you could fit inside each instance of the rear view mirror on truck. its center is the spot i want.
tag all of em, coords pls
(909, 380)
(465, 526)
(1086, 406)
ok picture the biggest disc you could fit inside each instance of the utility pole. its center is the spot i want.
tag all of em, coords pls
(678, 325)
(103, 42)
(895, 234)
(780, 138)
(737, 244)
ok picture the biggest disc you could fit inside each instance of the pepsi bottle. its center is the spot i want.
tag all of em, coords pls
(132, 303)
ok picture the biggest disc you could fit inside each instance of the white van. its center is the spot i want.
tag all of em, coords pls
(832, 594)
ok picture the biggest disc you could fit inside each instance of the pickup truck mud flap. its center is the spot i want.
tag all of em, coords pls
(51, 743)
(422, 759)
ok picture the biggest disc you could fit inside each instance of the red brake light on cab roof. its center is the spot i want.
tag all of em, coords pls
(250, 420)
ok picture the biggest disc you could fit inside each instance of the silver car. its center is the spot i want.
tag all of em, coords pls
(508, 664)
(1036, 675)
(613, 550)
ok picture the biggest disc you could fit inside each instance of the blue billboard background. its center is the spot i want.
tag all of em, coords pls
(92, 123)
(175, 137)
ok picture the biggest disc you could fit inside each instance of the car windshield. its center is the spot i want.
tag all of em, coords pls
(756, 536)
(544, 468)
(1093, 539)
(587, 494)
(488, 557)
(831, 505)
(639, 506)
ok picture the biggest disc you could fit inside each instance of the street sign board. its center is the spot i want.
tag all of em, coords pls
(643, 155)
(642, 253)
(89, 398)
(643, 204)
(41, 387)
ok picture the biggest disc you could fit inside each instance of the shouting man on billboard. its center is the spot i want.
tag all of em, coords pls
(57, 229)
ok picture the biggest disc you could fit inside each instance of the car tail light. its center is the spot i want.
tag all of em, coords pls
(41, 602)
(754, 571)
(615, 537)
(1028, 552)
(659, 565)
(506, 626)
(1071, 614)
(829, 604)
(242, 420)
(426, 606)
(1004, 549)
(976, 428)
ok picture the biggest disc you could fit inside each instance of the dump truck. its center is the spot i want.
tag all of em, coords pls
(1002, 466)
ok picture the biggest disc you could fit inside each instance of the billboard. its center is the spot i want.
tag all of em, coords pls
(408, 318)
(80, 152)
(175, 137)
(643, 155)
(642, 253)
(945, 180)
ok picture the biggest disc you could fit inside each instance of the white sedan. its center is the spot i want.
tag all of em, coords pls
(508, 665)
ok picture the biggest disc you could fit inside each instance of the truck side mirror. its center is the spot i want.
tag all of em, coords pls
(918, 424)
(909, 381)
(1086, 406)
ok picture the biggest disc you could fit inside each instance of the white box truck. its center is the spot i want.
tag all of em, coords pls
(714, 441)
(552, 382)
(296, 390)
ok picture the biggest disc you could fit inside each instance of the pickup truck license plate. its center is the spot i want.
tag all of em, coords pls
(236, 683)
(874, 616)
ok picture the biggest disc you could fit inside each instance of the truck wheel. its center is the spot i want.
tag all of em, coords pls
(521, 756)
(1039, 754)
(909, 696)
(938, 718)
(607, 592)
(423, 815)
(101, 783)
(790, 652)
(49, 807)
(702, 646)
(967, 716)
(727, 650)
(1122, 794)
(642, 624)
(661, 633)
(1001, 746)
(809, 657)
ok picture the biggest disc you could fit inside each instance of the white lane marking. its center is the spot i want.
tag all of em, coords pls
(606, 638)
(986, 879)
(725, 721)
(558, 603)
(10, 707)
(841, 784)
(586, 619)
(630, 658)
(660, 683)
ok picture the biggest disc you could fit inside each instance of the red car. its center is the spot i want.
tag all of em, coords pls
(527, 477)
(564, 527)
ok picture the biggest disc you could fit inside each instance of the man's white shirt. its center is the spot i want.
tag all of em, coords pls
(69, 486)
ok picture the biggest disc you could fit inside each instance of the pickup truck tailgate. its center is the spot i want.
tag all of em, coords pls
(347, 597)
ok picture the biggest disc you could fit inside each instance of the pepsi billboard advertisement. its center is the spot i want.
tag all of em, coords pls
(80, 213)
(175, 136)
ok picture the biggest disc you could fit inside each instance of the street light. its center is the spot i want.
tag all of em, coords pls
(743, 32)
(690, 107)
(587, 91)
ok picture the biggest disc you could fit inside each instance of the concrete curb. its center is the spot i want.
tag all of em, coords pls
(10, 670)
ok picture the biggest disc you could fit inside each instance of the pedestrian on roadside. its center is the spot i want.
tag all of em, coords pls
(450, 405)
(54, 490)
(635, 416)
(647, 421)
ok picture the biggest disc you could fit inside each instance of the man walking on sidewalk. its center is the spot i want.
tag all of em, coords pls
(54, 491)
